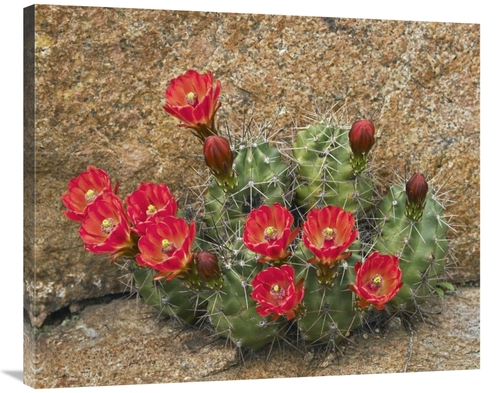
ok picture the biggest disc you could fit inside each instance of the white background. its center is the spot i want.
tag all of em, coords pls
(11, 203)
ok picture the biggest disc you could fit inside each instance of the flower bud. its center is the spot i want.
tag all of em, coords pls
(219, 158)
(361, 139)
(208, 268)
(416, 193)
(416, 189)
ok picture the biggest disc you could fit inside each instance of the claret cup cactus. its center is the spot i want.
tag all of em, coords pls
(295, 236)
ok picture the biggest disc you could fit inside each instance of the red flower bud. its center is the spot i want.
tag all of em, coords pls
(219, 158)
(361, 139)
(207, 265)
(416, 193)
(192, 98)
(416, 189)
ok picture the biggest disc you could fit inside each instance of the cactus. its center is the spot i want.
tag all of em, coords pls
(330, 313)
(329, 175)
(291, 239)
(325, 173)
(171, 299)
(421, 244)
(231, 311)
(262, 178)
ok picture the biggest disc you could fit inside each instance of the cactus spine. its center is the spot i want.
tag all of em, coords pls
(330, 313)
(231, 311)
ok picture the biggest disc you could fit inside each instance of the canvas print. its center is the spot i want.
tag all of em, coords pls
(221, 196)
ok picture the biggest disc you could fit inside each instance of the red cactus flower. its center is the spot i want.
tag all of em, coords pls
(378, 280)
(362, 137)
(106, 228)
(219, 158)
(327, 233)
(166, 247)
(268, 232)
(276, 292)
(148, 204)
(83, 190)
(192, 98)
(416, 193)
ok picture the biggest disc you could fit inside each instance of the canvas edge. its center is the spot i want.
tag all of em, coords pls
(29, 267)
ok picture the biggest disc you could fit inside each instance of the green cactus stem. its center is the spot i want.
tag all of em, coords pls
(232, 311)
(172, 299)
(420, 245)
(330, 313)
(325, 173)
(262, 178)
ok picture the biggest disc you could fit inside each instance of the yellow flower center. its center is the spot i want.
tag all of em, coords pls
(270, 233)
(90, 195)
(151, 210)
(192, 98)
(107, 225)
(166, 246)
(329, 233)
(377, 281)
(277, 291)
